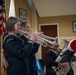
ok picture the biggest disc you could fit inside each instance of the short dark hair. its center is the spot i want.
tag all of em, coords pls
(10, 23)
(23, 18)
(23, 24)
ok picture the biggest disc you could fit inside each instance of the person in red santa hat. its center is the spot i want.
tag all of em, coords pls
(71, 48)
(72, 45)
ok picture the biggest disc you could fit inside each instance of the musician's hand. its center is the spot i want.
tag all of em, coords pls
(40, 33)
(63, 65)
(33, 37)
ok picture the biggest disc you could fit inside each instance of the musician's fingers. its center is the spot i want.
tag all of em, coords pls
(63, 65)
(33, 37)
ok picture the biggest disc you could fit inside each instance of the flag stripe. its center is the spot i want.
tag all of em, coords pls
(0, 16)
(0, 11)
(2, 25)
(0, 22)
(4, 63)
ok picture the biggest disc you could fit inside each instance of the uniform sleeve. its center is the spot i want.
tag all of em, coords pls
(34, 48)
(50, 60)
(17, 50)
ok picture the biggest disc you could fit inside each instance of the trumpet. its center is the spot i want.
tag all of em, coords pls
(50, 38)
(40, 40)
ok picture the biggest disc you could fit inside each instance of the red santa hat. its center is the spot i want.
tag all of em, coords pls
(72, 45)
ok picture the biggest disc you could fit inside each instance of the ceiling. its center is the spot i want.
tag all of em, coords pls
(48, 8)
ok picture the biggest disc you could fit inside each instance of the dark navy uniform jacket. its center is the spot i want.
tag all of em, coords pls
(32, 60)
(32, 57)
(51, 57)
(16, 53)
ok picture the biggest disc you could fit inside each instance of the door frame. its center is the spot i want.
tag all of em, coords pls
(39, 51)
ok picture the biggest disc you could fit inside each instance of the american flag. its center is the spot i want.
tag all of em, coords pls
(2, 16)
(2, 30)
(4, 64)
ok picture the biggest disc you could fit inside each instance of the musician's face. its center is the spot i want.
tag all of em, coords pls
(27, 28)
(55, 47)
(17, 27)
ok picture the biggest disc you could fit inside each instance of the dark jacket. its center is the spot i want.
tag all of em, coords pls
(51, 57)
(32, 57)
(32, 60)
(16, 53)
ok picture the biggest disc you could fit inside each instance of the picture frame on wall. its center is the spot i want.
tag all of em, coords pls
(74, 26)
(22, 13)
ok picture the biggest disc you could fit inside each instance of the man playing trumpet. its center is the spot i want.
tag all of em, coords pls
(25, 27)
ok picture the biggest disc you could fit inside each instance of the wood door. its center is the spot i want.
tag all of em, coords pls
(50, 30)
